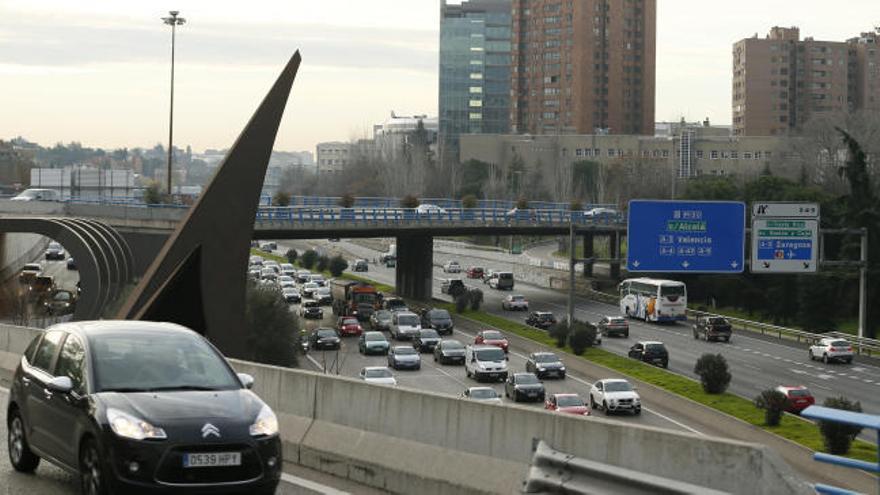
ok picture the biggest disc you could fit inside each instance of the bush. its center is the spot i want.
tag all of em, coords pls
(153, 195)
(522, 204)
(560, 332)
(576, 205)
(281, 198)
(469, 201)
(714, 373)
(461, 301)
(457, 291)
(409, 201)
(581, 336)
(346, 200)
(309, 258)
(837, 436)
(337, 265)
(274, 333)
(291, 255)
(773, 402)
(476, 298)
(322, 263)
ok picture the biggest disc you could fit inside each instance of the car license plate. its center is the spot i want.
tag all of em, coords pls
(212, 459)
(533, 394)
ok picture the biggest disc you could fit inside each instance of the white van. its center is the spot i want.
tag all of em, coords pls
(37, 195)
(405, 325)
(485, 362)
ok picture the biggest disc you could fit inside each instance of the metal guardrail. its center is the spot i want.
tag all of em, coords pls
(313, 215)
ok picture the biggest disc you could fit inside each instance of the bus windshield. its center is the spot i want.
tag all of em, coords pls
(672, 290)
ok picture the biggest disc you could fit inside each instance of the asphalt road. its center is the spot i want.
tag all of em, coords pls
(756, 363)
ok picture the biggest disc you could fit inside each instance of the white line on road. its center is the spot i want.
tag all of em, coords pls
(315, 362)
(311, 485)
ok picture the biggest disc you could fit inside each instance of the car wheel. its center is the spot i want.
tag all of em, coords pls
(20, 455)
(467, 373)
(825, 358)
(605, 408)
(726, 340)
(849, 360)
(665, 364)
(91, 470)
(812, 358)
(696, 335)
(592, 402)
(637, 411)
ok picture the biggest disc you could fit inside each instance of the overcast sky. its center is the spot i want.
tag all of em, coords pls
(97, 72)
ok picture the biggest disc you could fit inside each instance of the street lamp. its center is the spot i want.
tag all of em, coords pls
(173, 21)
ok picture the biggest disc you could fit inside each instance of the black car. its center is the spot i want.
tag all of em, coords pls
(324, 338)
(449, 351)
(712, 328)
(438, 319)
(71, 263)
(650, 352)
(425, 340)
(55, 251)
(524, 387)
(361, 266)
(545, 364)
(311, 310)
(541, 319)
(136, 406)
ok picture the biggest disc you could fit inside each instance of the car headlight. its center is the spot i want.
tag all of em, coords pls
(127, 426)
(265, 424)
(562, 368)
(540, 368)
(636, 400)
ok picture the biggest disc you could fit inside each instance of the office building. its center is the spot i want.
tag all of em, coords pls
(583, 67)
(474, 70)
(391, 137)
(332, 157)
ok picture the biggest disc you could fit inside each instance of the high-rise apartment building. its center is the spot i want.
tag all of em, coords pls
(474, 70)
(583, 66)
(780, 82)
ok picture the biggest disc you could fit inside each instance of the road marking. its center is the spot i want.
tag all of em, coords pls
(868, 381)
(311, 485)
(315, 362)
(819, 386)
(824, 377)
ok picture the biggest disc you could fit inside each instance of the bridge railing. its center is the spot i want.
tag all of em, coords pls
(312, 215)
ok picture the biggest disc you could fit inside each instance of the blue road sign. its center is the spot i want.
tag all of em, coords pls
(686, 236)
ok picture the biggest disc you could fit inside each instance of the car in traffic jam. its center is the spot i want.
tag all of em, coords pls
(438, 319)
(425, 340)
(567, 403)
(615, 395)
(373, 343)
(524, 387)
(324, 338)
(545, 365)
(404, 357)
(492, 337)
(449, 351)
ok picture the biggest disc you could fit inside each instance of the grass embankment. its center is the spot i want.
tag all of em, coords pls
(348, 276)
(792, 427)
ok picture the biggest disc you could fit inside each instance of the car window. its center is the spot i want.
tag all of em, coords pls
(839, 343)
(452, 344)
(618, 387)
(494, 354)
(570, 401)
(655, 347)
(799, 393)
(527, 379)
(46, 351)
(407, 320)
(483, 393)
(29, 352)
(546, 358)
(71, 363)
(492, 335)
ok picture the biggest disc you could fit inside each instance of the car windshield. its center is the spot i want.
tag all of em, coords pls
(326, 333)
(483, 393)
(404, 350)
(408, 320)
(493, 335)
(616, 321)
(310, 285)
(452, 344)
(527, 379)
(429, 334)
(517, 298)
(349, 321)
(618, 386)
(383, 315)
(505, 275)
(544, 316)
(839, 343)
(799, 392)
(438, 314)
(32, 267)
(655, 348)
(546, 358)
(323, 291)
(152, 361)
(62, 296)
(54, 245)
(671, 290)
(494, 354)
(377, 373)
(569, 401)
(374, 337)
(717, 321)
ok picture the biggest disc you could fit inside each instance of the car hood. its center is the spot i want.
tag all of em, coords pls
(159, 407)
(529, 386)
(382, 381)
(441, 323)
(406, 357)
(621, 395)
(376, 343)
(452, 352)
(501, 342)
(550, 366)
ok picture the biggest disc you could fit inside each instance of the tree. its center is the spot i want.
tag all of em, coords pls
(773, 402)
(153, 194)
(281, 198)
(291, 255)
(322, 263)
(838, 436)
(274, 329)
(475, 297)
(346, 200)
(461, 301)
(560, 332)
(409, 201)
(714, 373)
(337, 265)
(469, 201)
(522, 203)
(309, 258)
(582, 336)
(576, 205)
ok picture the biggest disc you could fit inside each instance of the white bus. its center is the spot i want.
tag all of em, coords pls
(653, 299)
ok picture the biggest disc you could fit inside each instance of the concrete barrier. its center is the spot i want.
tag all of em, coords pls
(18, 249)
(406, 441)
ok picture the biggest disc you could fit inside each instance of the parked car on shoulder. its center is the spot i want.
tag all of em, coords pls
(541, 319)
(712, 328)
(567, 403)
(502, 281)
(832, 349)
(516, 302)
(452, 267)
(324, 338)
(381, 320)
(492, 337)
(610, 326)
(615, 395)
(379, 375)
(524, 387)
(475, 272)
(404, 357)
(425, 340)
(438, 319)
(650, 352)
(54, 251)
(482, 394)
(449, 351)
(799, 397)
(405, 325)
(485, 362)
(545, 364)
(373, 343)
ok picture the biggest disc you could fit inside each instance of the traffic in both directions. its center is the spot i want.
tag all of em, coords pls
(757, 363)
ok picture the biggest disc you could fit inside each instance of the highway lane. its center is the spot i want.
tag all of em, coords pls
(756, 363)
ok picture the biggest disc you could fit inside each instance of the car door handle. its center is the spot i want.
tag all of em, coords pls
(48, 393)
(25, 381)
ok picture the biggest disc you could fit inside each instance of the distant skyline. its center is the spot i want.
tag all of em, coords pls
(97, 72)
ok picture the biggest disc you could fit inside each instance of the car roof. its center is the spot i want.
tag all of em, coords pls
(405, 313)
(481, 388)
(370, 368)
(545, 354)
(110, 327)
(524, 373)
(791, 387)
(646, 342)
(612, 380)
(566, 395)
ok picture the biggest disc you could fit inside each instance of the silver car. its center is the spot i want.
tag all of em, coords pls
(403, 356)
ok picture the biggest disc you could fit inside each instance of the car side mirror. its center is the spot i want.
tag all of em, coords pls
(60, 384)
(247, 381)
(507, 358)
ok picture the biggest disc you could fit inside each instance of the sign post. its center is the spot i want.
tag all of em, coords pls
(686, 236)
(785, 237)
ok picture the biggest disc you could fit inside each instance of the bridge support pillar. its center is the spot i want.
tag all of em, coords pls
(588, 254)
(415, 266)
(614, 251)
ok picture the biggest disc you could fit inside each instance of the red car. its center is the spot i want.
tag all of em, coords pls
(475, 272)
(567, 403)
(492, 337)
(799, 398)
(348, 325)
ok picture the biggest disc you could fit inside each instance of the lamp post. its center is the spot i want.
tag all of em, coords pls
(173, 21)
